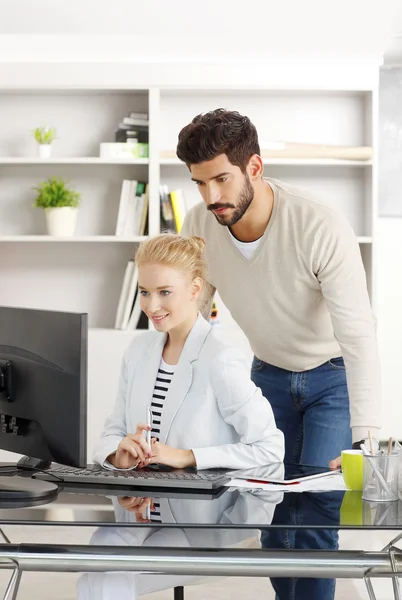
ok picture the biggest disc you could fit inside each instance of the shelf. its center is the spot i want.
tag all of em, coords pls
(73, 239)
(112, 331)
(101, 239)
(296, 162)
(84, 160)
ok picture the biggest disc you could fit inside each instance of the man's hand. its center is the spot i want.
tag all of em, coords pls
(132, 450)
(172, 457)
(137, 506)
(335, 463)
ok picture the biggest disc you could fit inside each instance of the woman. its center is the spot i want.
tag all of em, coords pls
(206, 412)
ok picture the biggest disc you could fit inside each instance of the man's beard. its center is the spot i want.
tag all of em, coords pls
(244, 200)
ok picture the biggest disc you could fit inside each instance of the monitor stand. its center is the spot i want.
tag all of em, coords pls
(16, 489)
(25, 488)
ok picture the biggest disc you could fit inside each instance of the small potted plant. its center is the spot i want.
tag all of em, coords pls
(45, 136)
(60, 204)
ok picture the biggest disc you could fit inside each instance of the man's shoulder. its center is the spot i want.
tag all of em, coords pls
(306, 203)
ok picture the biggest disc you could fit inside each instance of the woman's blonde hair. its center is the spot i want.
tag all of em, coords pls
(175, 251)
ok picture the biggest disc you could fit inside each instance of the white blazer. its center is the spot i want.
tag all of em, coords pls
(212, 406)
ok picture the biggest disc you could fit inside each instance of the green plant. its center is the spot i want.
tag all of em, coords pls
(44, 135)
(54, 193)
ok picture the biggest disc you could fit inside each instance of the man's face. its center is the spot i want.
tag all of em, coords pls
(226, 191)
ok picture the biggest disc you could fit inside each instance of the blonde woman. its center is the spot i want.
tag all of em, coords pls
(206, 411)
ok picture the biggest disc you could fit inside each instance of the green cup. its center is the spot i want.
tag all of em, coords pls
(351, 512)
(352, 469)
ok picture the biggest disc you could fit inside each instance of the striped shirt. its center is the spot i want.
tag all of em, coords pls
(163, 381)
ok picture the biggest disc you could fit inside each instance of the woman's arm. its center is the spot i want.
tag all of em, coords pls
(243, 406)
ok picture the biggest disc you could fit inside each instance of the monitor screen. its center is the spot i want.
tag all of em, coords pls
(43, 384)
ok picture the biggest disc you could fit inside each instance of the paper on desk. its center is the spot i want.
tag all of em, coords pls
(330, 483)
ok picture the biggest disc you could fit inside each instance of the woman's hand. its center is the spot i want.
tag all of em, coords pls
(137, 506)
(172, 457)
(335, 463)
(132, 450)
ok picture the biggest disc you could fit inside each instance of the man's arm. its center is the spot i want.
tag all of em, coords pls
(209, 291)
(339, 269)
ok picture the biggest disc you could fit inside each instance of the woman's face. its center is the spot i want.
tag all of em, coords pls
(168, 296)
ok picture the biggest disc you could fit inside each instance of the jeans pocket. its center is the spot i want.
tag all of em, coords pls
(257, 364)
(337, 363)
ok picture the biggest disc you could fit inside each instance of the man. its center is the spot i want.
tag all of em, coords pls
(289, 270)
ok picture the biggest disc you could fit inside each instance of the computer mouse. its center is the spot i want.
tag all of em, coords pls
(29, 462)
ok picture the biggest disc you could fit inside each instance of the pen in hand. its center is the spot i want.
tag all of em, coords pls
(149, 423)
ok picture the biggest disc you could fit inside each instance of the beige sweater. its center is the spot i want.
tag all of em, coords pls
(302, 299)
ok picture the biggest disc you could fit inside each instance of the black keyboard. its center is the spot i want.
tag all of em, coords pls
(94, 474)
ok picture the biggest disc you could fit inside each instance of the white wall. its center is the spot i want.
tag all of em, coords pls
(177, 31)
(389, 315)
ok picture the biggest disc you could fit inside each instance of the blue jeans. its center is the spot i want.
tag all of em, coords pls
(311, 408)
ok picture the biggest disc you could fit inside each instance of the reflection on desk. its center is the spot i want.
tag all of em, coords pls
(89, 505)
(233, 507)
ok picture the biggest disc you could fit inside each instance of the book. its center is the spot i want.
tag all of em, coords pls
(144, 215)
(135, 313)
(142, 116)
(128, 276)
(130, 216)
(130, 298)
(179, 207)
(123, 207)
(139, 122)
(167, 217)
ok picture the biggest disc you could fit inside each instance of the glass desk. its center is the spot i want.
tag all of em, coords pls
(200, 534)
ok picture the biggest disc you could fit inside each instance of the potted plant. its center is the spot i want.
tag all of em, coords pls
(60, 204)
(45, 136)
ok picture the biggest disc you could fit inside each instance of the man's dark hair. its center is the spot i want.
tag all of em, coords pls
(218, 132)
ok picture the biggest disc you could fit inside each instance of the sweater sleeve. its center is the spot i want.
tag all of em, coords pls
(339, 269)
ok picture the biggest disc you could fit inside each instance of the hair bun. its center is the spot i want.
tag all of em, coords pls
(198, 243)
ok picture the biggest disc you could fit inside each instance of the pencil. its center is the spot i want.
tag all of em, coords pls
(389, 445)
(371, 443)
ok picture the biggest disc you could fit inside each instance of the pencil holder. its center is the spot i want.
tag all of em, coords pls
(381, 477)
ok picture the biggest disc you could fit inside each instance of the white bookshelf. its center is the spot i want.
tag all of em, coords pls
(85, 273)
(85, 118)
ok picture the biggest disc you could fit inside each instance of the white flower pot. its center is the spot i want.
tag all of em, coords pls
(61, 221)
(45, 150)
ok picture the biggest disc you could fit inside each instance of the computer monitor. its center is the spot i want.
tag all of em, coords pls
(43, 385)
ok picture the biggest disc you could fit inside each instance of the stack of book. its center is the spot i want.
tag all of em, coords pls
(131, 139)
(134, 129)
(133, 209)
